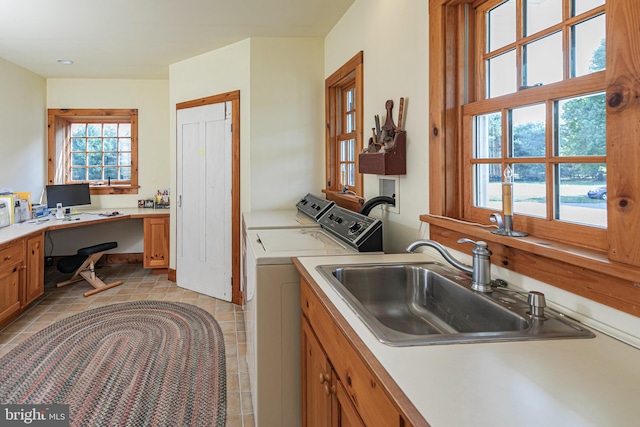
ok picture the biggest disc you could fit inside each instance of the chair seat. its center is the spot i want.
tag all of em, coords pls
(69, 264)
(97, 248)
(83, 263)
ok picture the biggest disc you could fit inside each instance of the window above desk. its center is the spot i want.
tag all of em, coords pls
(94, 146)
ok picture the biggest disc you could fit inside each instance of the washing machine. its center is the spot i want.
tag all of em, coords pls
(272, 312)
(304, 215)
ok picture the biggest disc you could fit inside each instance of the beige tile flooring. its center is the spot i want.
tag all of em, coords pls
(140, 284)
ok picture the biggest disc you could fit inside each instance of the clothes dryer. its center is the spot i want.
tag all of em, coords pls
(272, 311)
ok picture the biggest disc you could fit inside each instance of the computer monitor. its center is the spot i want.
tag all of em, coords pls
(68, 194)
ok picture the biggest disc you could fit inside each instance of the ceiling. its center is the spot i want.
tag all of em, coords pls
(139, 39)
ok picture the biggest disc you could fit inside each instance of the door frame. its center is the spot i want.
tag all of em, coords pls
(234, 97)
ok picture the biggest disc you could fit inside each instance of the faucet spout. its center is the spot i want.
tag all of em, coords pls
(443, 251)
(480, 270)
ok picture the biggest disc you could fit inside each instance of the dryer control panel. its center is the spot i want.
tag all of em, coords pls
(358, 231)
(313, 206)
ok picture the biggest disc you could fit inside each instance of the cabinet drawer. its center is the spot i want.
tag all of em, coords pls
(361, 385)
(11, 254)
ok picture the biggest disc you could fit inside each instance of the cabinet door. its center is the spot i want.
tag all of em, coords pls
(156, 243)
(316, 381)
(9, 290)
(362, 387)
(344, 414)
(34, 286)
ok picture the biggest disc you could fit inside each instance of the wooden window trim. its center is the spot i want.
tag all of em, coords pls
(541, 227)
(350, 71)
(59, 119)
(609, 276)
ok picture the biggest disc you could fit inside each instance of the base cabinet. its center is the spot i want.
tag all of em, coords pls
(316, 400)
(21, 275)
(338, 388)
(343, 413)
(34, 285)
(324, 401)
(12, 268)
(156, 243)
(10, 280)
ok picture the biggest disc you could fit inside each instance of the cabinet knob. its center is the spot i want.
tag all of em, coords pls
(329, 389)
(7, 257)
(324, 378)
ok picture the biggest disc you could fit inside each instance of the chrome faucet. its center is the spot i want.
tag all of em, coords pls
(481, 266)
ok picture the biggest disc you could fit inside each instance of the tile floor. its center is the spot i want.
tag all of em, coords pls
(140, 284)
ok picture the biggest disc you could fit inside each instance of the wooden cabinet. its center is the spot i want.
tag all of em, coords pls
(156, 243)
(338, 388)
(316, 402)
(34, 258)
(11, 279)
(21, 275)
(343, 413)
(324, 401)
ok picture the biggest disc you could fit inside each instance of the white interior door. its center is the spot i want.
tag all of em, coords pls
(203, 259)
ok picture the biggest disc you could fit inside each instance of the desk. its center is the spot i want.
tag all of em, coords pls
(88, 217)
(22, 252)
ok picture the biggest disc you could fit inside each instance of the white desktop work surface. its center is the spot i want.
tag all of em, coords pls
(80, 223)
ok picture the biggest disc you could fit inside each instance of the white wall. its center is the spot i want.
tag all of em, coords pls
(287, 112)
(281, 113)
(394, 38)
(23, 129)
(151, 98)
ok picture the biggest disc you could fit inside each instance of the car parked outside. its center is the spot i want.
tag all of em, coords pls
(598, 193)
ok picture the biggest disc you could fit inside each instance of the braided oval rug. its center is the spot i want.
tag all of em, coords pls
(146, 363)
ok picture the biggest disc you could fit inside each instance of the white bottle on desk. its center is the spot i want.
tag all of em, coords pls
(59, 211)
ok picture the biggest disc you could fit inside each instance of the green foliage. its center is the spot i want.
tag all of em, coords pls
(582, 128)
(581, 131)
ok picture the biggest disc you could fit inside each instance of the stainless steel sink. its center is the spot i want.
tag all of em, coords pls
(429, 303)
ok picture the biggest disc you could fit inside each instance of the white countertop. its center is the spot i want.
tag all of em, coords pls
(569, 382)
(19, 230)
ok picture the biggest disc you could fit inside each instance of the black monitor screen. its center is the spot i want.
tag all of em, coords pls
(68, 195)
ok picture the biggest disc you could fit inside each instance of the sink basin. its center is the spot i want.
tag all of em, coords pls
(429, 303)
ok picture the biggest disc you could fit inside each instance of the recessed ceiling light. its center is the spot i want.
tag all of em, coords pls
(65, 61)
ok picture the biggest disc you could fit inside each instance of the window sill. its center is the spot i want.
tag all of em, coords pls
(114, 189)
(582, 271)
(347, 201)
